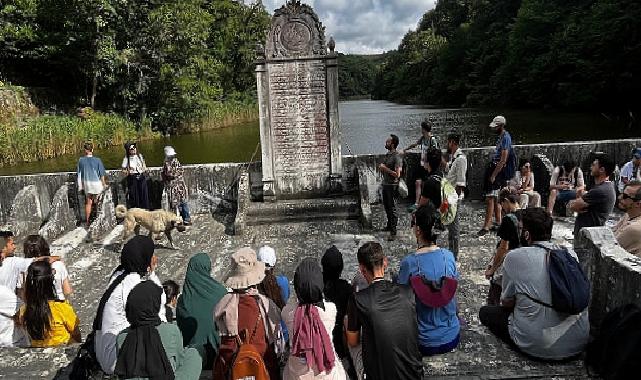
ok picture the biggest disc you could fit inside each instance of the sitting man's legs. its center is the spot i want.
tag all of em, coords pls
(496, 318)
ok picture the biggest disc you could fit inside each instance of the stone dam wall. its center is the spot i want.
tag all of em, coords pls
(49, 202)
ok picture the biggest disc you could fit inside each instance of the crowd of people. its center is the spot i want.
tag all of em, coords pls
(250, 323)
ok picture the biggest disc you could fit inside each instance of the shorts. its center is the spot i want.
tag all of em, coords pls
(421, 173)
(491, 189)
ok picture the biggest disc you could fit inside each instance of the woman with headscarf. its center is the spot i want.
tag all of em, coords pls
(310, 321)
(195, 306)
(137, 261)
(338, 291)
(245, 309)
(150, 348)
(135, 170)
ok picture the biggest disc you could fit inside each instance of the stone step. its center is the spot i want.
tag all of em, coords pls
(302, 210)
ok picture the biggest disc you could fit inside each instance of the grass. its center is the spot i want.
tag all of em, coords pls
(224, 114)
(52, 136)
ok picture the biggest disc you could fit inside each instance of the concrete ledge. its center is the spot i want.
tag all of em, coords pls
(615, 274)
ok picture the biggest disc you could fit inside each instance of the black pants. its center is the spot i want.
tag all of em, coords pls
(389, 194)
(496, 318)
(137, 193)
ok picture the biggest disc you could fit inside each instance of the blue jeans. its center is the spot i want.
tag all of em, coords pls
(183, 209)
(564, 196)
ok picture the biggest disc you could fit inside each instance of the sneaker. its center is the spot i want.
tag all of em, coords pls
(187, 223)
(495, 227)
(482, 232)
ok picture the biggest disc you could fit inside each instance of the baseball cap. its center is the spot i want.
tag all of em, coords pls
(267, 255)
(496, 121)
(636, 153)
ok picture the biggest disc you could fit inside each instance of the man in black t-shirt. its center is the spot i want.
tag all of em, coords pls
(595, 206)
(432, 187)
(386, 314)
(391, 169)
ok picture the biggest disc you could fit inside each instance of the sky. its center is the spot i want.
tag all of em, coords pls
(365, 26)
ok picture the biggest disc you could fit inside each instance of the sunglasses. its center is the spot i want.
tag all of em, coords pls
(627, 196)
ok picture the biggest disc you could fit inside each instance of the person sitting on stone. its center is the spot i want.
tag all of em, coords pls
(137, 261)
(595, 206)
(276, 288)
(438, 324)
(523, 185)
(150, 348)
(338, 291)
(628, 230)
(245, 309)
(172, 291)
(565, 184)
(201, 293)
(631, 171)
(311, 319)
(12, 267)
(48, 321)
(385, 311)
(508, 234)
(526, 325)
(36, 246)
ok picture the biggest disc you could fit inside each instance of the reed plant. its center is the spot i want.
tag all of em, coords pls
(223, 114)
(52, 136)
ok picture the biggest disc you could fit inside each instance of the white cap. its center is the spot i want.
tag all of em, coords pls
(496, 121)
(267, 255)
(169, 151)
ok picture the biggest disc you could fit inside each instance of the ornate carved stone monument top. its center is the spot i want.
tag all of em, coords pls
(297, 83)
(296, 32)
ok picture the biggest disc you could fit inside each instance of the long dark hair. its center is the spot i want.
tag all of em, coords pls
(39, 290)
(35, 246)
(269, 287)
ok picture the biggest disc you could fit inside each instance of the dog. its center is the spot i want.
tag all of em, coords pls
(156, 222)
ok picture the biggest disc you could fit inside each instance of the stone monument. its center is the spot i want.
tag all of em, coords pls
(297, 80)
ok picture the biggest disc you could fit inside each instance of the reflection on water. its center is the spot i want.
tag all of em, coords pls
(365, 125)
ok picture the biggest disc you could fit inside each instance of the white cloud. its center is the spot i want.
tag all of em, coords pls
(365, 26)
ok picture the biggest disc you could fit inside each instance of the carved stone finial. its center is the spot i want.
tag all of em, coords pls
(331, 44)
(260, 51)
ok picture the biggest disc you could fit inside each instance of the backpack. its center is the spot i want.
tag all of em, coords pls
(247, 362)
(615, 352)
(569, 284)
(449, 201)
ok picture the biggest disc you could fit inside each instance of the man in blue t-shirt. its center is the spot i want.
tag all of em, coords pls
(92, 178)
(495, 174)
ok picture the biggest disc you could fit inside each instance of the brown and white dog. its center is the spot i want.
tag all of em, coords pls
(156, 222)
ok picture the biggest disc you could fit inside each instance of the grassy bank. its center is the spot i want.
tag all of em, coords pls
(44, 137)
(224, 114)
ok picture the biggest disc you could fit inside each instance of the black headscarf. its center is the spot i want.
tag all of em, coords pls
(332, 263)
(135, 258)
(142, 353)
(308, 283)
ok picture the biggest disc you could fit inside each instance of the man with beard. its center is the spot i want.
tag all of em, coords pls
(628, 229)
(497, 173)
(391, 169)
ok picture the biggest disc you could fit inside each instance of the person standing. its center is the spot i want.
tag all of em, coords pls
(172, 176)
(595, 206)
(134, 167)
(391, 168)
(457, 176)
(628, 230)
(426, 142)
(496, 175)
(386, 313)
(92, 179)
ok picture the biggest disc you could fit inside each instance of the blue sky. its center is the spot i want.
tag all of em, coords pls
(365, 26)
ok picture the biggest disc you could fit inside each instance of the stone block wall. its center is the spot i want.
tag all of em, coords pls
(615, 275)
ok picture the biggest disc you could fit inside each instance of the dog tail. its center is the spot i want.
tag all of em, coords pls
(121, 211)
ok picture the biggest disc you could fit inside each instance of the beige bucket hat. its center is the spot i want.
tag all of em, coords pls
(246, 270)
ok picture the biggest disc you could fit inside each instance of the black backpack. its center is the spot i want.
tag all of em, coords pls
(615, 353)
(569, 284)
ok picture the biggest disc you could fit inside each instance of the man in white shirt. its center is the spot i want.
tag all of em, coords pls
(10, 334)
(537, 330)
(457, 176)
(12, 267)
(631, 171)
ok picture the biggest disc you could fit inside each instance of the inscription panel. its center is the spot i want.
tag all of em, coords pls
(300, 142)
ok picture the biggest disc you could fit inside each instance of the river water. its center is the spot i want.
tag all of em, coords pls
(365, 126)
